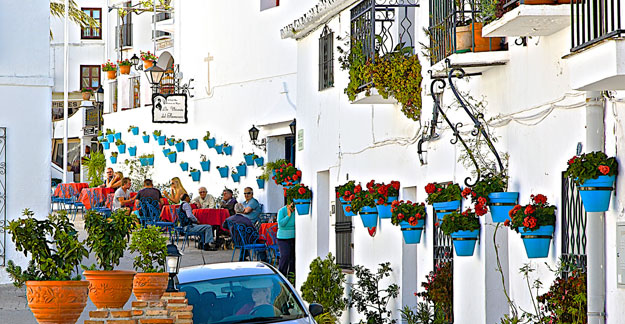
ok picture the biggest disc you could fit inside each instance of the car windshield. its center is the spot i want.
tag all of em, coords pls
(246, 299)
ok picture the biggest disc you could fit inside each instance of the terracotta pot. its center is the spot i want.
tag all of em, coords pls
(124, 69)
(111, 75)
(57, 302)
(86, 96)
(109, 289)
(482, 44)
(150, 286)
(147, 64)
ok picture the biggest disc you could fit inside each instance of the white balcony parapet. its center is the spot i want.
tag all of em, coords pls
(530, 20)
(598, 67)
(471, 62)
(373, 98)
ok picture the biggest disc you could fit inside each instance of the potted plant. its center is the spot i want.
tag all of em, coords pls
(121, 146)
(195, 174)
(210, 142)
(156, 133)
(166, 151)
(171, 156)
(444, 198)
(146, 137)
(235, 176)
(301, 196)
(219, 149)
(205, 164)
(184, 166)
(469, 31)
(133, 129)
(55, 293)
(150, 283)
(179, 145)
(227, 148)
(132, 150)
(100, 136)
(464, 229)
(223, 171)
(491, 191)
(110, 135)
(384, 196)
(410, 217)
(345, 194)
(106, 144)
(143, 158)
(259, 160)
(113, 157)
(118, 136)
(95, 165)
(86, 93)
(594, 173)
(249, 158)
(171, 141)
(535, 222)
(260, 181)
(192, 144)
(287, 175)
(148, 59)
(107, 238)
(124, 66)
(364, 204)
(110, 69)
(242, 169)
(150, 158)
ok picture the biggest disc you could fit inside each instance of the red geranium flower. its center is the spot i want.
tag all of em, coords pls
(295, 177)
(529, 222)
(514, 210)
(412, 221)
(507, 222)
(400, 216)
(380, 201)
(480, 209)
(530, 209)
(299, 173)
(436, 224)
(481, 200)
(540, 199)
(604, 169)
(572, 160)
(465, 192)
(395, 184)
(430, 188)
(357, 189)
(301, 190)
(348, 209)
(338, 195)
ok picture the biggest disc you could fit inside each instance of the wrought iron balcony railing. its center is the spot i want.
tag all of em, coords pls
(593, 21)
(162, 16)
(125, 37)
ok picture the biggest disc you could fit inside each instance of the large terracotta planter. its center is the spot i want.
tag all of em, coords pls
(150, 286)
(57, 302)
(124, 69)
(482, 44)
(86, 95)
(147, 64)
(111, 75)
(109, 289)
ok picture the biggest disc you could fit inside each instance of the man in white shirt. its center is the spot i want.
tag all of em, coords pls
(204, 200)
(122, 195)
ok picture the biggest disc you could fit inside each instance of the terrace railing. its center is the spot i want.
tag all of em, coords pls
(593, 21)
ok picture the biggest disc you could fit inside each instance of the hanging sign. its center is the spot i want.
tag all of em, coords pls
(169, 108)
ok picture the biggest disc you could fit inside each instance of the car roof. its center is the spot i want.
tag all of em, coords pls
(223, 270)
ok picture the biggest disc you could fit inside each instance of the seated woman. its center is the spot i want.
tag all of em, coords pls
(116, 182)
(261, 303)
(177, 190)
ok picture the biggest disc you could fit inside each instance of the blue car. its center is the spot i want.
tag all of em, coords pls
(243, 292)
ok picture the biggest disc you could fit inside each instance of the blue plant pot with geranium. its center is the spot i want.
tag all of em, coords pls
(161, 140)
(596, 193)
(219, 149)
(412, 234)
(106, 145)
(261, 183)
(118, 136)
(236, 177)
(537, 242)
(347, 207)
(135, 130)
(242, 170)
(172, 157)
(259, 161)
(500, 204)
(166, 151)
(195, 176)
(132, 151)
(110, 138)
(192, 144)
(210, 142)
(228, 150)
(205, 165)
(464, 242)
(223, 172)
(302, 206)
(184, 166)
(444, 208)
(369, 216)
(144, 161)
(146, 138)
(249, 159)
(121, 148)
(384, 210)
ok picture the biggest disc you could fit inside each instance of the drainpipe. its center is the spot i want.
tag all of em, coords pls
(595, 226)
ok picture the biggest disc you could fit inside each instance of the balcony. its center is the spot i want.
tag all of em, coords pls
(123, 35)
(164, 22)
(597, 59)
(530, 18)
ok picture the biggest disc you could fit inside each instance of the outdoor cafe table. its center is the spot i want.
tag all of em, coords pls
(100, 195)
(65, 187)
(209, 216)
(109, 200)
(264, 228)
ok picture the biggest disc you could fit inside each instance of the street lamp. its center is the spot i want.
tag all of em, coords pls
(134, 60)
(254, 137)
(154, 74)
(172, 261)
(292, 127)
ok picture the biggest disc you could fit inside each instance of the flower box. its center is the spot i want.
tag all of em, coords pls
(369, 216)
(302, 206)
(135, 130)
(210, 142)
(172, 157)
(161, 140)
(121, 148)
(537, 242)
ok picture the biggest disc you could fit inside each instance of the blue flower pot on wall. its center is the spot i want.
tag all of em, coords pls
(228, 150)
(249, 159)
(261, 183)
(384, 211)
(596, 193)
(113, 159)
(100, 138)
(110, 138)
(135, 130)
(192, 144)
(369, 216)
(210, 142)
(161, 140)
(205, 165)
(242, 170)
(146, 138)
(172, 157)
(302, 206)
(412, 234)
(166, 151)
(106, 145)
(236, 177)
(155, 136)
(121, 148)
(184, 166)
(144, 161)
(223, 172)
(259, 161)
(132, 151)
(444, 208)
(500, 204)
(347, 211)
(219, 149)
(537, 242)
(464, 242)
(170, 142)
(151, 161)
(195, 176)
(180, 147)
(118, 136)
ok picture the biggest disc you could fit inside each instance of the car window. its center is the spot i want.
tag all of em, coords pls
(240, 299)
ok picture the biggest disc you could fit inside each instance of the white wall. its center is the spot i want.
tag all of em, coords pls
(25, 84)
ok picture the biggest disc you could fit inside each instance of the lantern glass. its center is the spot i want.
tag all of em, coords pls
(134, 60)
(154, 74)
(99, 95)
(253, 133)
(293, 127)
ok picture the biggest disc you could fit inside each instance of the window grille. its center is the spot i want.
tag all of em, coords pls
(573, 225)
(343, 231)
(326, 58)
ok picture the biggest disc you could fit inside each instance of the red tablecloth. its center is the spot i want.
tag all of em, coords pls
(214, 217)
(77, 187)
(169, 213)
(111, 196)
(99, 194)
(264, 228)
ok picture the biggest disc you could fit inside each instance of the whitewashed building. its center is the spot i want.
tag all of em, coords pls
(551, 90)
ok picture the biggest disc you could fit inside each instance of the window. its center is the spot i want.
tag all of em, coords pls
(89, 76)
(326, 56)
(73, 154)
(123, 32)
(92, 32)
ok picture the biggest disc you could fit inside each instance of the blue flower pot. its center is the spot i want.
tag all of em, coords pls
(113, 159)
(144, 161)
(135, 130)
(445, 208)
(302, 206)
(384, 211)
(107, 145)
(289, 186)
(228, 150)
(170, 142)
(242, 170)
(151, 161)
(236, 177)
(259, 161)
(500, 204)
(249, 159)
(210, 142)
(100, 138)
(132, 151)
(146, 139)
(184, 166)
(166, 151)
(180, 147)
(121, 148)
(345, 204)
(369, 216)
(223, 172)
(205, 165)
(192, 144)
(596, 193)
(161, 140)
(261, 183)
(537, 242)
(219, 149)
(464, 242)
(155, 136)
(172, 157)
(195, 176)
(118, 136)
(110, 138)
(412, 234)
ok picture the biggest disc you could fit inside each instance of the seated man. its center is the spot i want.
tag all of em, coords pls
(108, 180)
(149, 191)
(207, 243)
(228, 201)
(252, 206)
(122, 195)
(204, 200)
(239, 218)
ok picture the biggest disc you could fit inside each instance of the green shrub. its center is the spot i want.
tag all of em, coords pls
(324, 285)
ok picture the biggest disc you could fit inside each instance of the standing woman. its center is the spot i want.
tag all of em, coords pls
(286, 238)
(177, 190)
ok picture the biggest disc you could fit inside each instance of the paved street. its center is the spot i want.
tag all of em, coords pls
(14, 309)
